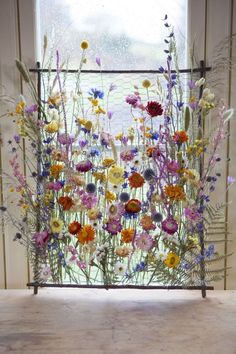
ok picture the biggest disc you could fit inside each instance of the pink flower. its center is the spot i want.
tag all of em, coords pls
(40, 238)
(88, 200)
(115, 211)
(144, 241)
(169, 225)
(113, 226)
(133, 100)
(127, 155)
(173, 166)
(192, 214)
(81, 264)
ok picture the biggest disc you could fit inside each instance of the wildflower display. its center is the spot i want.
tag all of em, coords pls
(126, 208)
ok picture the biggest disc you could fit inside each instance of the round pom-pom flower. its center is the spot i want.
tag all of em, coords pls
(149, 174)
(90, 188)
(84, 45)
(157, 217)
(124, 197)
(146, 83)
(154, 109)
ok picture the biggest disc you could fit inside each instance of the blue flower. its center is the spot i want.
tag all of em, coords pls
(96, 93)
(94, 152)
(210, 251)
(154, 136)
(140, 267)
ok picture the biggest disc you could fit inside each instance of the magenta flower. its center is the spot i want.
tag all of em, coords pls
(84, 166)
(133, 100)
(144, 241)
(169, 225)
(40, 238)
(113, 226)
(54, 186)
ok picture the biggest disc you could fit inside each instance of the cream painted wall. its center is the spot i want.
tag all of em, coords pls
(210, 21)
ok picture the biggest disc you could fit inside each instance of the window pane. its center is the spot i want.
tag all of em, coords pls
(125, 34)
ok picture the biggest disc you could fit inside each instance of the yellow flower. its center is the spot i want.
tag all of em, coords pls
(146, 83)
(94, 101)
(108, 162)
(20, 107)
(109, 196)
(116, 174)
(52, 127)
(99, 176)
(100, 110)
(172, 260)
(84, 45)
(93, 213)
(119, 136)
(88, 125)
(56, 225)
(55, 170)
(68, 189)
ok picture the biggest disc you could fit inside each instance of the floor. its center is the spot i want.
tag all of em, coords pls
(82, 321)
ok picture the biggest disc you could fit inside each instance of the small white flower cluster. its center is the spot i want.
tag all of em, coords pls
(100, 252)
(207, 99)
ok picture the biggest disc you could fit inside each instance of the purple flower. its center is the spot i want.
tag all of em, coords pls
(83, 143)
(17, 138)
(110, 114)
(191, 84)
(113, 226)
(66, 139)
(210, 251)
(169, 225)
(88, 200)
(40, 238)
(98, 61)
(112, 87)
(230, 179)
(84, 166)
(31, 109)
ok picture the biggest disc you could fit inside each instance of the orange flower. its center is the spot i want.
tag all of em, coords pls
(74, 227)
(133, 206)
(66, 202)
(147, 223)
(127, 235)
(86, 234)
(180, 136)
(174, 192)
(56, 170)
(136, 180)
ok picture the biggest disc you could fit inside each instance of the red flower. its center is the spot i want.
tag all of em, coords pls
(66, 202)
(133, 206)
(154, 109)
(74, 227)
(136, 180)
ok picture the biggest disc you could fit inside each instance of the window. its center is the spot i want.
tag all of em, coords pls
(125, 34)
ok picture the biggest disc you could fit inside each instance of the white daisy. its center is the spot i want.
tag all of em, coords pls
(120, 269)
